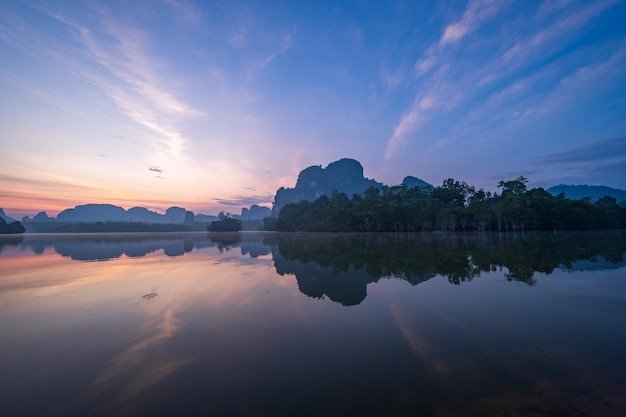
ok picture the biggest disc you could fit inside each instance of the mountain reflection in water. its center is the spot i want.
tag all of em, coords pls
(200, 324)
(340, 266)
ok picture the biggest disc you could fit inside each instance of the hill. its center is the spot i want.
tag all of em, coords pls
(594, 192)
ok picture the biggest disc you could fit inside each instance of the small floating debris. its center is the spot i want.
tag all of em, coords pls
(153, 293)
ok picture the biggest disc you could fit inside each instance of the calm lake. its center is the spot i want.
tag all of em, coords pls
(265, 324)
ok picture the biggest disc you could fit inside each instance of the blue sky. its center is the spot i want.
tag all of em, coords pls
(213, 105)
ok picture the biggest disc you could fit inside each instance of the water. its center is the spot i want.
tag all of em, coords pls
(298, 324)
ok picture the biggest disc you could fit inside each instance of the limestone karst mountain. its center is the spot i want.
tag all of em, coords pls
(344, 175)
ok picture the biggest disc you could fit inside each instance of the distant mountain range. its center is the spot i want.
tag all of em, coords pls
(344, 175)
(593, 192)
(111, 213)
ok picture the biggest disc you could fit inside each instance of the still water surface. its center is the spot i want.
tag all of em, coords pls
(254, 324)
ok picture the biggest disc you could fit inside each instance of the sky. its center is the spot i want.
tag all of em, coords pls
(214, 105)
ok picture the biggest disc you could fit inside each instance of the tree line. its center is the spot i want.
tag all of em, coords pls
(453, 206)
(10, 228)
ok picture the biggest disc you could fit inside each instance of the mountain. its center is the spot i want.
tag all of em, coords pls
(255, 213)
(111, 213)
(143, 215)
(93, 213)
(205, 218)
(344, 175)
(42, 217)
(5, 217)
(412, 182)
(578, 192)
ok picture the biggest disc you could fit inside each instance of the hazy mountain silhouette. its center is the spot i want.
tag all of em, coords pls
(111, 213)
(42, 217)
(87, 248)
(255, 213)
(594, 192)
(5, 217)
(205, 218)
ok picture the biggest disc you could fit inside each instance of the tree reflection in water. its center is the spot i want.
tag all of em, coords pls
(340, 266)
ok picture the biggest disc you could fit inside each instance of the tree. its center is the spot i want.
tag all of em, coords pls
(515, 187)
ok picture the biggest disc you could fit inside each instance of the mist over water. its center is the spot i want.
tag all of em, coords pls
(311, 324)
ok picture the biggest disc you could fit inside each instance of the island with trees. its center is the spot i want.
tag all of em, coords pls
(226, 223)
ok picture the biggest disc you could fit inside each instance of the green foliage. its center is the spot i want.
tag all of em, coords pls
(453, 206)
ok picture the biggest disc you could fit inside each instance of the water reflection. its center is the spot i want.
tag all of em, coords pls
(197, 324)
(340, 267)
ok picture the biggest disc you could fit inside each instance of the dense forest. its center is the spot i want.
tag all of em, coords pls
(452, 206)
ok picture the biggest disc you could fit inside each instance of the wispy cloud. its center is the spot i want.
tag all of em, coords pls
(503, 73)
(285, 43)
(557, 30)
(477, 11)
(125, 72)
(594, 152)
(245, 201)
(601, 162)
(409, 122)
(439, 86)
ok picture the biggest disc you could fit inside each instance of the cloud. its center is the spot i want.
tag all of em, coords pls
(545, 39)
(427, 61)
(477, 11)
(155, 169)
(245, 201)
(439, 84)
(593, 152)
(478, 91)
(428, 102)
(409, 122)
(285, 43)
(596, 163)
(117, 63)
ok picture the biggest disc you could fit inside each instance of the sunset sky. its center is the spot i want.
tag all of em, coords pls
(213, 105)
